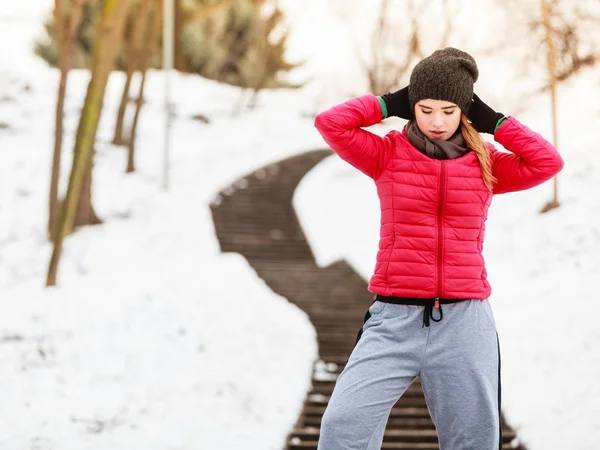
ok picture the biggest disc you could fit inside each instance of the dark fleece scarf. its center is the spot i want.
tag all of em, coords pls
(455, 147)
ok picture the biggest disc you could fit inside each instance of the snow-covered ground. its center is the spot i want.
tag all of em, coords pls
(154, 340)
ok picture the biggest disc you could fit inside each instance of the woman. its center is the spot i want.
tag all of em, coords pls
(435, 182)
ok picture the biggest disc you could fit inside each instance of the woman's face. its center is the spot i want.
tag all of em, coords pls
(437, 119)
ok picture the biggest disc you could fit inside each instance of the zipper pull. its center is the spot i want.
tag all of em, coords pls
(436, 305)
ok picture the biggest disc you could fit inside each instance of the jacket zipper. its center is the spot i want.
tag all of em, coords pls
(440, 233)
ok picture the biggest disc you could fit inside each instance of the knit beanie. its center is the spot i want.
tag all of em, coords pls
(447, 74)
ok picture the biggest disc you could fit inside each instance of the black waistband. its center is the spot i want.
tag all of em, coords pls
(416, 301)
(428, 303)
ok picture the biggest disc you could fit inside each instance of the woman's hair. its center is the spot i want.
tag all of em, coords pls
(475, 142)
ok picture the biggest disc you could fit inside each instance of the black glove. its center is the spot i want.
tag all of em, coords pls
(398, 105)
(483, 118)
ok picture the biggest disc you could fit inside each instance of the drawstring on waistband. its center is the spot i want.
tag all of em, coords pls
(430, 305)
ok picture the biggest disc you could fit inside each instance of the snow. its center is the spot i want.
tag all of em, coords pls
(146, 342)
(154, 339)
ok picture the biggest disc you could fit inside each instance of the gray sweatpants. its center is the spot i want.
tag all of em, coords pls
(457, 359)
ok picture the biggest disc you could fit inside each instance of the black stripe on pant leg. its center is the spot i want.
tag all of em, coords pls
(499, 395)
(360, 332)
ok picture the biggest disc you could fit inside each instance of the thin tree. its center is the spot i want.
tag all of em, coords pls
(151, 38)
(551, 63)
(133, 48)
(109, 30)
(268, 54)
(573, 28)
(392, 53)
(85, 214)
(66, 29)
(179, 60)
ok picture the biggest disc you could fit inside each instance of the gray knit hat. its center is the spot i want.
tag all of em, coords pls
(447, 74)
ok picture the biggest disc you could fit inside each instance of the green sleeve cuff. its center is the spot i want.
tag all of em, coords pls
(383, 106)
(500, 122)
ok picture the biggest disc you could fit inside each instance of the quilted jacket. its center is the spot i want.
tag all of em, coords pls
(433, 212)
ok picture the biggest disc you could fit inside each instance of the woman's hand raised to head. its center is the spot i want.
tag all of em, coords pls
(483, 118)
(398, 105)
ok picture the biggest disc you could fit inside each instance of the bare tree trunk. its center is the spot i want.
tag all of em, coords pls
(152, 25)
(85, 211)
(132, 135)
(109, 28)
(551, 61)
(118, 138)
(65, 31)
(133, 50)
(179, 60)
(58, 142)
(86, 215)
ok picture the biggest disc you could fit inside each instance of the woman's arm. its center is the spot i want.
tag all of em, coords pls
(341, 127)
(532, 161)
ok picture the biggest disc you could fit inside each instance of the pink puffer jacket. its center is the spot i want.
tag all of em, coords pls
(433, 212)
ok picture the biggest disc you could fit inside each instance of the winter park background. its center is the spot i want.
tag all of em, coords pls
(153, 339)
